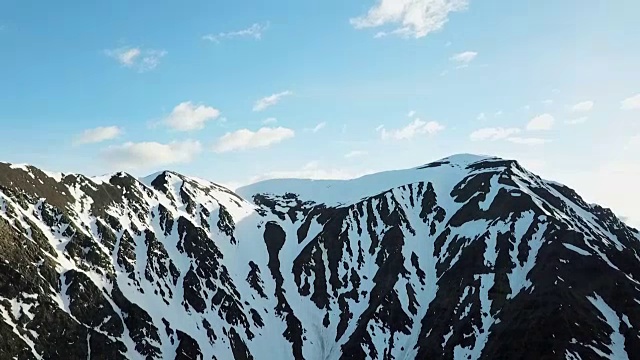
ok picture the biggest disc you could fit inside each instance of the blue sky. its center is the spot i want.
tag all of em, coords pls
(349, 87)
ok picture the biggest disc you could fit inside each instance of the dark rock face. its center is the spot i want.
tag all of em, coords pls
(464, 258)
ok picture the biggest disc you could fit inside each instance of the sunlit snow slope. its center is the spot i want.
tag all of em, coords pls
(465, 258)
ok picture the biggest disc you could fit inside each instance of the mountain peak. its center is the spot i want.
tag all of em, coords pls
(467, 257)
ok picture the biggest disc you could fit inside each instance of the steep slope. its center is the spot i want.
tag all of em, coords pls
(465, 258)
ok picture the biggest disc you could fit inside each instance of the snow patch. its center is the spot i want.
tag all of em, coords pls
(617, 339)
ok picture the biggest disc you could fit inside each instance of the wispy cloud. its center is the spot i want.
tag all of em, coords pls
(527, 140)
(270, 120)
(582, 107)
(499, 133)
(577, 121)
(97, 135)
(318, 127)
(464, 57)
(245, 139)
(414, 18)
(631, 103)
(311, 170)
(188, 116)
(493, 133)
(270, 100)
(411, 113)
(254, 31)
(541, 122)
(413, 129)
(136, 58)
(355, 153)
(483, 116)
(634, 142)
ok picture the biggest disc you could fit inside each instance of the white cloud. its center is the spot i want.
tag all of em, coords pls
(311, 170)
(125, 56)
(270, 120)
(319, 127)
(416, 127)
(246, 139)
(99, 134)
(634, 142)
(608, 184)
(498, 113)
(464, 57)
(137, 58)
(411, 113)
(584, 106)
(482, 117)
(499, 133)
(493, 134)
(576, 121)
(270, 100)
(415, 18)
(526, 107)
(541, 122)
(527, 140)
(187, 116)
(145, 155)
(254, 31)
(355, 153)
(547, 102)
(631, 103)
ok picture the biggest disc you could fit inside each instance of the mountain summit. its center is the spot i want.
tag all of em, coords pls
(464, 258)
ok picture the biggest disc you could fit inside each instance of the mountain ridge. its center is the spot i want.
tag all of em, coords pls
(452, 259)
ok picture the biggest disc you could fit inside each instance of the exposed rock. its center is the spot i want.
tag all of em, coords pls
(465, 258)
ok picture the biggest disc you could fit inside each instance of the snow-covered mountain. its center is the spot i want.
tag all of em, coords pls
(464, 258)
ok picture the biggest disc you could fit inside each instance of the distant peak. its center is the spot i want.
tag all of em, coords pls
(462, 160)
(164, 173)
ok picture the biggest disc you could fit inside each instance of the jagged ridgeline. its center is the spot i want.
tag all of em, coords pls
(465, 258)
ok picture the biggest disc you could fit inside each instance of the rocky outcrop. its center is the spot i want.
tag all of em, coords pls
(464, 258)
